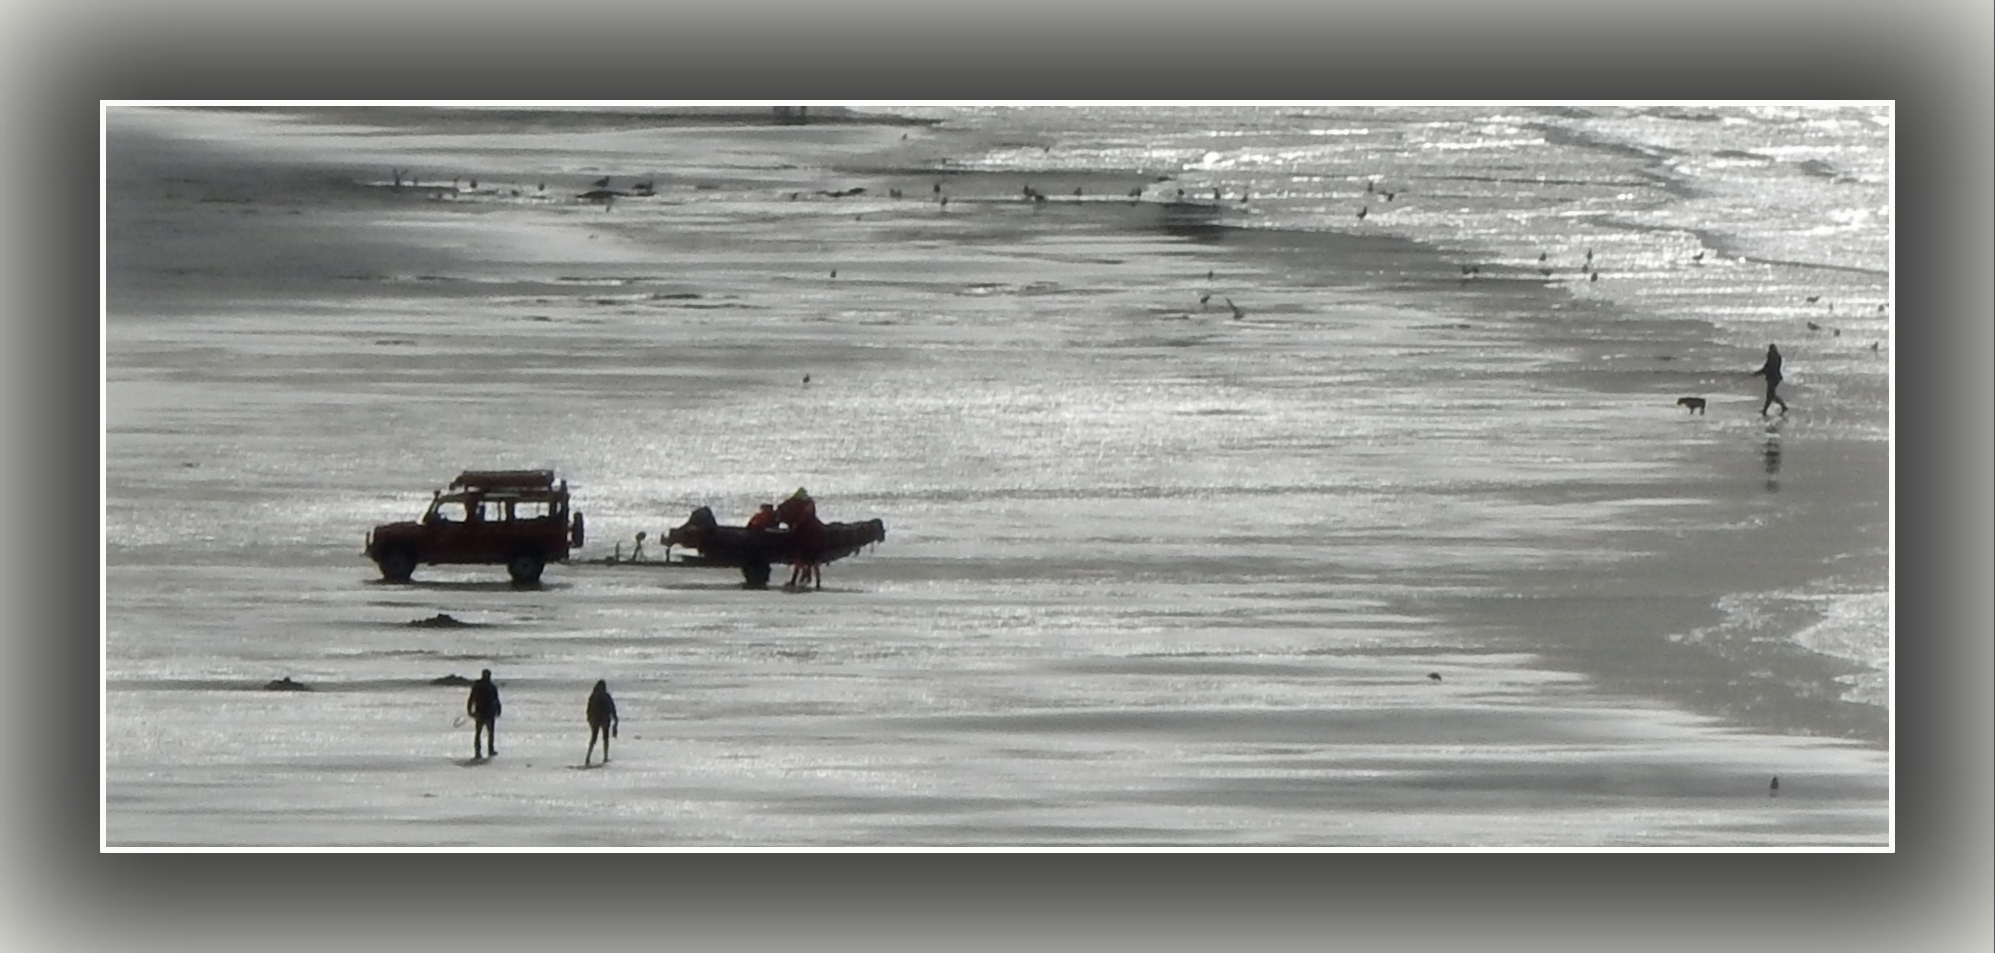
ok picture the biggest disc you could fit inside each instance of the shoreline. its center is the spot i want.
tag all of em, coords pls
(1687, 575)
(782, 735)
(1581, 336)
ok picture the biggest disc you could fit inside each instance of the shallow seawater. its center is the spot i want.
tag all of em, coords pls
(1393, 557)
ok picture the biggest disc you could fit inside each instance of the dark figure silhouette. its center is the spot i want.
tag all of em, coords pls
(483, 707)
(602, 721)
(1771, 371)
(799, 513)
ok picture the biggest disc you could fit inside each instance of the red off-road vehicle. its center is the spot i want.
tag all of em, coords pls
(518, 518)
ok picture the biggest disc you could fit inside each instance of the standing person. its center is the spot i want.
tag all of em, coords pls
(1771, 371)
(483, 707)
(602, 720)
(799, 512)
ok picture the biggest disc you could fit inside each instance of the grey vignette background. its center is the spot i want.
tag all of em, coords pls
(1934, 59)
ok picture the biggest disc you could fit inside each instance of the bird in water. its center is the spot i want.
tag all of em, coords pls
(603, 183)
(1238, 312)
(1367, 210)
(1699, 258)
(1202, 299)
(1436, 676)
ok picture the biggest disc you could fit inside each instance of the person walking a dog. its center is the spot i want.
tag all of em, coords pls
(602, 720)
(1771, 371)
(483, 707)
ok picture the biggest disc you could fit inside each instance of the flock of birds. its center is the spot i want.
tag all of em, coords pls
(601, 191)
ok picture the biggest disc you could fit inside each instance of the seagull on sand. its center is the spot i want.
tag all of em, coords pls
(603, 183)
(1436, 676)
(1202, 299)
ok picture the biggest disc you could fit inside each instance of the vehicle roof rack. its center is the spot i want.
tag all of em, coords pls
(509, 479)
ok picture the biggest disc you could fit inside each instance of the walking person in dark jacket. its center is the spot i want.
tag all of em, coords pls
(483, 707)
(602, 720)
(1771, 371)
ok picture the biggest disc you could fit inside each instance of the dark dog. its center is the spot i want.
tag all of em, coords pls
(1696, 404)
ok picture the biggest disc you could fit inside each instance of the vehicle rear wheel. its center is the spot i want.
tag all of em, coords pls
(397, 563)
(755, 575)
(525, 568)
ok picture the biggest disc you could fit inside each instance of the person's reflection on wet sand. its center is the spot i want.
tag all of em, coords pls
(1772, 455)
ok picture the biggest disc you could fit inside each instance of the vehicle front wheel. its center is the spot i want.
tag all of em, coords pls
(525, 568)
(397, 564)
(755, 575)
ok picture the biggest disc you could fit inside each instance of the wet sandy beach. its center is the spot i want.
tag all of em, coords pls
(1154, 575)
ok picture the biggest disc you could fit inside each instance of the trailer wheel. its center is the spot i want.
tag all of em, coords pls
(755, 575)
(397, 563)
(525, 568)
